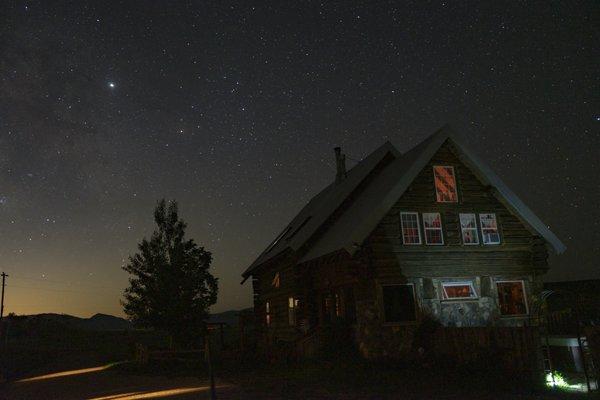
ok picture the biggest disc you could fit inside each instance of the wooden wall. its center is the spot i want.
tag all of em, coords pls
(515, 255)
(520, 255)
(277, 297)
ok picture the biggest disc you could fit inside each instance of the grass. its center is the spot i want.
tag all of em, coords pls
(353, 378)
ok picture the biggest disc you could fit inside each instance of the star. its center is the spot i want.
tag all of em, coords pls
(112, 85)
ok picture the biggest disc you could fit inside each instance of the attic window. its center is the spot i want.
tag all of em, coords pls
(278, 238)
(458, 290)
(445, 184)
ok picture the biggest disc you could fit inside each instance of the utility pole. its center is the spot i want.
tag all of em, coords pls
(4, 276)
(2, 341)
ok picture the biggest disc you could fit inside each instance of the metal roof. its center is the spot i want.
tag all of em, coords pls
(320, 207)
(368, 208)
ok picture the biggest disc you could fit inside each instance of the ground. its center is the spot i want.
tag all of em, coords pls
(51, 362)
(322, 380)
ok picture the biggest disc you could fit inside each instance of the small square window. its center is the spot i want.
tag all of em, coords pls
(276, 280)
(445, 184)
(268, 313)
(489, 228)
(511, 297)
(468, 227)
(410, 228)
(432, 225)
(458, 290)
(399, 303)
(292, 307)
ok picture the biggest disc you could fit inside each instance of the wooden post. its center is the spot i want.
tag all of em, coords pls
(213, 392)
(222, 336)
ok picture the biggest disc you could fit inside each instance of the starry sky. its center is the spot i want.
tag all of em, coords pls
(233, 109)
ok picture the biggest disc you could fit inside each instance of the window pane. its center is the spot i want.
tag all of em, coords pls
(268, 313)
(410, 228)
(276, 281)
(467, 221)
(488, 221)
(432, 224)
(292, 303)
(458, 290)
(468, 227)
(399, 303)
(432, 220)
(433, 236)
(489, 229)
(511, 296)
(445, 184)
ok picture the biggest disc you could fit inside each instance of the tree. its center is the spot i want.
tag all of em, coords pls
(171, 288)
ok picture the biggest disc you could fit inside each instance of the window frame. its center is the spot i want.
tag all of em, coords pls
(425, 229)
(292, 307)
(455, 183)
(415, 305)
(469, 283)
(268, 314)
(276, 282)
(482, 228)
(402, 228)
(476, 229)
(522, 281)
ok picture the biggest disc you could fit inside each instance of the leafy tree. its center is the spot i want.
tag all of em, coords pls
(171, 287)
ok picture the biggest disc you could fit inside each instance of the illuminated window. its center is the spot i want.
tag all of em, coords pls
(445, 184)
(399, 303)
(268, 313)
(458, 290)
(489, 228)
(468, 227)
(511, 297)
(338, 305)
(432, 225)
(292, 307)
(276, 281)
(410, 228)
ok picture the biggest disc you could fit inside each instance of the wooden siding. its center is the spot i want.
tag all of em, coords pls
(277, 297)
(519, 253)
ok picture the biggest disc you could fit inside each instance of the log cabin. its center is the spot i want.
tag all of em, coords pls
(431, 234)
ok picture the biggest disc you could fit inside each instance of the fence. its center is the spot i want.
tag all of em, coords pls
(510, 348)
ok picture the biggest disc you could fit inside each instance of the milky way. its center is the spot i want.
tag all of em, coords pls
(234, 108)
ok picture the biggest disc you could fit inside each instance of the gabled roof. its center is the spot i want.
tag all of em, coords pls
(320, 207)
(357, 221)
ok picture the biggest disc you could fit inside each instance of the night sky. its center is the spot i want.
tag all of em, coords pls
(233, 109)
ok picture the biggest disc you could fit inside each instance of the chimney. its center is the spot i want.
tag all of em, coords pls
(340, 163)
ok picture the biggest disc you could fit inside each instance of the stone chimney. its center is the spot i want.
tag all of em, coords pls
(340, 163)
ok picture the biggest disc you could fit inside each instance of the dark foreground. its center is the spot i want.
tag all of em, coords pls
(323, 380)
